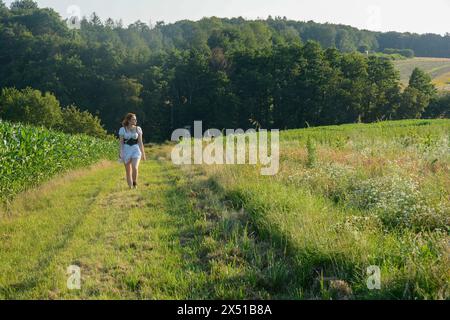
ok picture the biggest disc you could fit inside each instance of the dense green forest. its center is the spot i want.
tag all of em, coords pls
(272, 73)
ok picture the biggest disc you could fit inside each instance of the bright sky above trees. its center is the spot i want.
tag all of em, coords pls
(380, 15)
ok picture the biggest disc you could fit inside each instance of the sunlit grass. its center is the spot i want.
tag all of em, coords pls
(376, 195)
(358, 196)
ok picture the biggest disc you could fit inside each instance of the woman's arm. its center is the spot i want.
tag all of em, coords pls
(141, 144)
(121, 143)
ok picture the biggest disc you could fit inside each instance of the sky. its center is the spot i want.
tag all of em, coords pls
(419, 16)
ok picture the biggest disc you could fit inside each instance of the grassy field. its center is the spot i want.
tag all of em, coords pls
(354, 196)
(437, 68)
(364, 195)
(162, 241)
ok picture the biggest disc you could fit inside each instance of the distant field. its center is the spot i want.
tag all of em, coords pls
(438, 68)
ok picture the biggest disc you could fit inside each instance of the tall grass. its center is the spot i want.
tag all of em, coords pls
(377, 195)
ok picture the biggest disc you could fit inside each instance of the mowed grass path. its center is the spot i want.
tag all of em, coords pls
(126, 242)
(170, 239)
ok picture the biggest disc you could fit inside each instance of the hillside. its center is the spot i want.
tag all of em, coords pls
(230, 73)
(437, 68)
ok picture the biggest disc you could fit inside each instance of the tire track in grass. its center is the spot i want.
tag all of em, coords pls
(170, 239)
(33, 238)
(115, 245)
(129, 244)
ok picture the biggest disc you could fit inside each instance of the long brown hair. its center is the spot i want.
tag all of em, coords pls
(126, 120)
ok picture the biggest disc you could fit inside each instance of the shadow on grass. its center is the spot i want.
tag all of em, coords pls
(239, 264)
(313, 273)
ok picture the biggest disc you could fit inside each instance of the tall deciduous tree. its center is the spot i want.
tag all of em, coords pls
(3, 9)
(422, 82)
(383, 93)
(24, 5)
(417, 96)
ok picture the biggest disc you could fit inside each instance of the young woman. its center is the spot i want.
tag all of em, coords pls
(131, 148)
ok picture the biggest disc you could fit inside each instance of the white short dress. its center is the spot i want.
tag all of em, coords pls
(130, 152)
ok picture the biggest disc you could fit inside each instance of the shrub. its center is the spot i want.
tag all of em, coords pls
(408, 53)
(75, 121)
(399, 202)
(30, 106)
(439, 107)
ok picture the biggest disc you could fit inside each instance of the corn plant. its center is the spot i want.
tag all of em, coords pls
(30, 155)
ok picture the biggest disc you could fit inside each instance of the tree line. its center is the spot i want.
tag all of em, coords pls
(230, 73)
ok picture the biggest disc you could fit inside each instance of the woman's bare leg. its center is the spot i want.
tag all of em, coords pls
(128, 169)
(135, 166)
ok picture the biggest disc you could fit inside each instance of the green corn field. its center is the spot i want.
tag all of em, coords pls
(30, 155)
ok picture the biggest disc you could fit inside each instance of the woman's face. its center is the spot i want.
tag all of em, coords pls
(133, 121)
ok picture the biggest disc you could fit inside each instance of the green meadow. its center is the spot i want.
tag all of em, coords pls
(346, 199)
